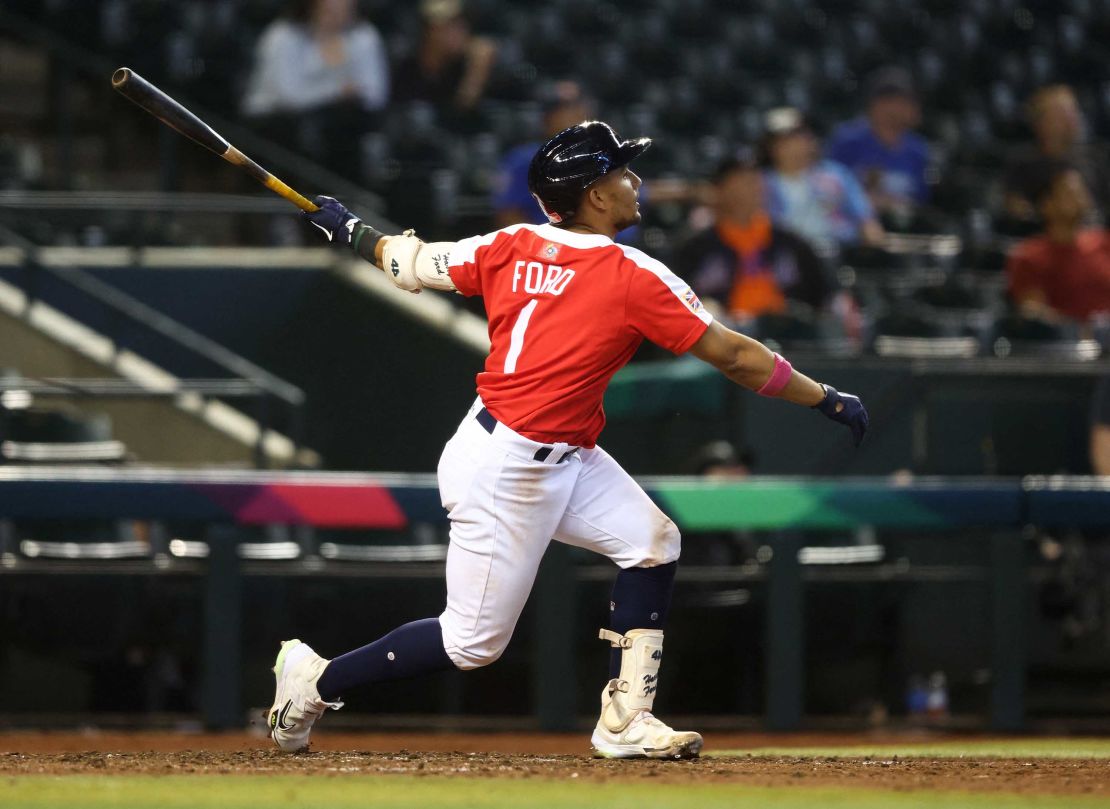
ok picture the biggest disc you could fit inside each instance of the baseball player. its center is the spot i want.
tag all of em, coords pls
(567, 308)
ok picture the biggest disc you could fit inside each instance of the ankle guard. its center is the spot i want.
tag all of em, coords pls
(634, 690)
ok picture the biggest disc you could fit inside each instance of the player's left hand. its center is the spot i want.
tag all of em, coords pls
(333, 219)
(845, 409)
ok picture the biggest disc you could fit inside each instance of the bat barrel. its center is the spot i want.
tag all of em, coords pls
(137, 89)
(134, 87)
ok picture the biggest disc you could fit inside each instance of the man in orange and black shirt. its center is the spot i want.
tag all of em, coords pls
(743, 263)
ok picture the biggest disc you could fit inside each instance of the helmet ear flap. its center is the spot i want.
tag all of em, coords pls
(553, 216)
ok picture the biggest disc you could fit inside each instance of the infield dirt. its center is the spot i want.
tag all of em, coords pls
(537, 756)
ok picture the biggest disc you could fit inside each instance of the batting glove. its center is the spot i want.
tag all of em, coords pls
(336, 222)
(845, 409)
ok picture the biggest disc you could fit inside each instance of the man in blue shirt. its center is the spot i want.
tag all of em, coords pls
(564, 105)
(888, 158)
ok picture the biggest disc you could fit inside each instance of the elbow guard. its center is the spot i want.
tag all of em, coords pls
(432, 262)
(413, 264)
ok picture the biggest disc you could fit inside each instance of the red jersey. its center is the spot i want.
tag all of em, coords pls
(1073, 278)
(567, 311)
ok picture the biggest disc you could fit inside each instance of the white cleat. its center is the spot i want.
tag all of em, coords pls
(297, 703)
(627, 728)
(645, 737)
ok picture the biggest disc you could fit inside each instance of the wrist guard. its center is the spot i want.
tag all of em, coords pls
(364, 241)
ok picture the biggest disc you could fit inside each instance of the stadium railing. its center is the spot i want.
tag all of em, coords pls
(230, 501)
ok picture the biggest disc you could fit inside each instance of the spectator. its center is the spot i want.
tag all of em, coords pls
(817, 199)
(564, 106)
(319, 75)
(720, 460)
(1100, 429)
(743, 265)
(881, 149)
(1065, 271)
(318, 55)
(1059, 131)
(450, 67)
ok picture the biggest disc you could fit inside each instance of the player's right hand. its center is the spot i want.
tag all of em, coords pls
(846, 409)
(333, 219)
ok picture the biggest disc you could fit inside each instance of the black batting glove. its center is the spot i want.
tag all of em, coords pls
(336, 222)
(845, 409)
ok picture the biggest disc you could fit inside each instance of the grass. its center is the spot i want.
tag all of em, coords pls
(1009, 748)
(340, 790)
(336, 792)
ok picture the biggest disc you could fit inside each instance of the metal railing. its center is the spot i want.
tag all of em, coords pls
(169, 201)
(247, 377)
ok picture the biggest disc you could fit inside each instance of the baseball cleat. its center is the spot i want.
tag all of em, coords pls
(645, 737)
(627, 728)
(297, 703)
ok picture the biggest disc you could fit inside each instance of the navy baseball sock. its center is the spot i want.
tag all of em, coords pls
(641, 600)
(408, 651)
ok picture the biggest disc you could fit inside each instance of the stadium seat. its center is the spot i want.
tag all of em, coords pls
(796, 326)
(1018, 336)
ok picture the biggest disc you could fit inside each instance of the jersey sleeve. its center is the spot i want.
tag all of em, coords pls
(468, 256)
(662, 307)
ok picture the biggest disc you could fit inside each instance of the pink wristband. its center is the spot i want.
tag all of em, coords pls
(779, 377)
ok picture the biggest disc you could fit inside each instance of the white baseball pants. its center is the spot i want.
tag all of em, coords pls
(505, 507)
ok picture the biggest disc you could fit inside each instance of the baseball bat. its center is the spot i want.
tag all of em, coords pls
(130, 84)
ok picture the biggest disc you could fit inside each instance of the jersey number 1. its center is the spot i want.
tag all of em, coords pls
(516, 342)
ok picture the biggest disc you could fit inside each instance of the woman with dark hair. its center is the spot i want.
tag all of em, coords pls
(451, 65)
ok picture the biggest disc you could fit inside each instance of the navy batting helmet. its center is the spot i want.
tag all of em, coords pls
(575, 159)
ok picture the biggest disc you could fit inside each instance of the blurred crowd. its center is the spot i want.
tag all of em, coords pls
(754, 190)
(775, 218)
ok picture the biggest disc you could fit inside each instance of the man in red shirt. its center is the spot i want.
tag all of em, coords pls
(1065, 271)
(567, 308)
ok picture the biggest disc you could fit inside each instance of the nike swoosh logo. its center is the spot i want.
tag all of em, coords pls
(322, 228)
(280, 724)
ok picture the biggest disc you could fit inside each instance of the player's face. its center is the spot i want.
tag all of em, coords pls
(624, 186)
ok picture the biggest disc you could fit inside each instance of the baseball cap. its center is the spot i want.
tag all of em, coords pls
(784, 121)
(440, 10)
(891, 81)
